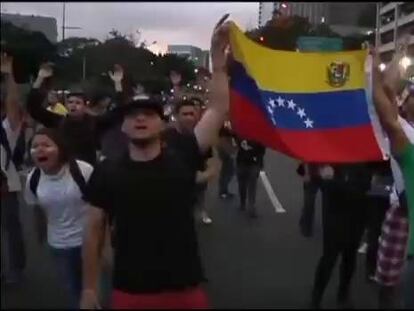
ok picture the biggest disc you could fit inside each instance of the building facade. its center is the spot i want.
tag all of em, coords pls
(394, 20)
(338, 14)
(193, 53)
(43, 24)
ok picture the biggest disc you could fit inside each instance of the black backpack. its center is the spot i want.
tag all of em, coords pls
(74, 171)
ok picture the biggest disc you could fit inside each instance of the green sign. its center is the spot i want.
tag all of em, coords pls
(318, 44)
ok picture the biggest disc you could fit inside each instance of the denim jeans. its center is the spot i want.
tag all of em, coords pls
(408, 284)
(247, 176)
(12, 235)
(69, 265)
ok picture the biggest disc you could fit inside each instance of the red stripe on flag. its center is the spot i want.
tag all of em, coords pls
(354, 144)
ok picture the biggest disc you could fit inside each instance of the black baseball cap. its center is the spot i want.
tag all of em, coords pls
(143, 103)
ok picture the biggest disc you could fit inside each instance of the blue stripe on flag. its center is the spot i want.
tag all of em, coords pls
(327, 110)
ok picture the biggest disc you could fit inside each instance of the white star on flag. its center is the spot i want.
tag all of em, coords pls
(308, 123)
(301, 113)
(270, 109)
(280, 102)
(272, 103)
(291, 104)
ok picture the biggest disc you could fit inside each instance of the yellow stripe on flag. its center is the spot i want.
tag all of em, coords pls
(295, 72)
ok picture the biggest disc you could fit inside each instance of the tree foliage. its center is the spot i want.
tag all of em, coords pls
(29, 49)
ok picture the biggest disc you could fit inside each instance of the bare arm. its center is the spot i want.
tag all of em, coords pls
(212, 169)
(12, 108)
(208, 127)
(387, 109)
(92, 253)
(36, 98)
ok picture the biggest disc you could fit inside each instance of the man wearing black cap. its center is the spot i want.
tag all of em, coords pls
(80, 129)
(149, 194)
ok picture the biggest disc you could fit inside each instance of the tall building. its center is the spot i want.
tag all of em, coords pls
(193, 53)
(46, 25)
(394, 19)
(265, 12)
(314, 11)
(343, 15)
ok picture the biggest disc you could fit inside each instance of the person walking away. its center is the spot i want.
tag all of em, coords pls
(311, 186)
(11, 227)
(150, 196)
(249, 161)
(385, 89)
(55, 188)
(343, 219)
(226, 152)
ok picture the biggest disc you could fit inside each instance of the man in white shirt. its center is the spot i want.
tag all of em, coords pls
(11, 229)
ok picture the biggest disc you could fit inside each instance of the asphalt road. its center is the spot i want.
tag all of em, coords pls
(263, 263)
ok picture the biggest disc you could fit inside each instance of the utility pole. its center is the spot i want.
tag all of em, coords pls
(63, 21)
(64, 27)
(84, 67)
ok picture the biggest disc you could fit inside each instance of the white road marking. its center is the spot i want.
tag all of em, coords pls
(272, 196)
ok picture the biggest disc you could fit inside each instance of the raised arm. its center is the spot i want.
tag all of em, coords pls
(384, 89)
(91, 255)
(12, 103)
(208, 127)
(36, 99)
(107, 119)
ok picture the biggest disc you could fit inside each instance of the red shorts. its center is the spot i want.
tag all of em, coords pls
(192, 298)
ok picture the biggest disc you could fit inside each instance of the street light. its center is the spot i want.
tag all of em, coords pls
(382, 67)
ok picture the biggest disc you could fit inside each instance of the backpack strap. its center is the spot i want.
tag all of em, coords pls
(5, 143)
(20, 149)
(77, 176)
(34, 181)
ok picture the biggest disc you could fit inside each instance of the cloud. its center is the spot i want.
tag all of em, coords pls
(167, 23)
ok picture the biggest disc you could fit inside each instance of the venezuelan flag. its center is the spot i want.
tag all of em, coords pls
(315, 107)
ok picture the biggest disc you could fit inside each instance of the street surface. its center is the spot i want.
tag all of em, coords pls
(263, 263)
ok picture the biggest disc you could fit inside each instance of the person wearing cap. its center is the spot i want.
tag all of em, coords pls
(79, 128)
(149, 194)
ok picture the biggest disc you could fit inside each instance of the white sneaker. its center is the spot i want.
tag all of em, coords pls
(206, 220)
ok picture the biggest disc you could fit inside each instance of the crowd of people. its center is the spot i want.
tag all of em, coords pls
(116, 190)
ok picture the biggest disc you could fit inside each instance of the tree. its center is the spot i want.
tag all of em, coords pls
(69, 45)
(29, 49)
